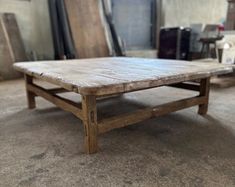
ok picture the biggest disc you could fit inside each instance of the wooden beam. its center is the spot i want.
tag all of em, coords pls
(144, 114)
(11, 46)
(109, 96)
(90, 123)
(63, 103)
(204, 91)
(30, 95)
(187, 86)
(58, 90)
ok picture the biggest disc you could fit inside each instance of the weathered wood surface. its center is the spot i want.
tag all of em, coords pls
(105, 76)
(90, 123)
(87, 29)
(33, 90)
(11, 46)
(29, 94)
(204, 92)
(117, 75)
(144, 114)
(87, 112)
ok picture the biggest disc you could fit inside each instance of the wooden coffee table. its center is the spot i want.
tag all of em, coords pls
(95, 78)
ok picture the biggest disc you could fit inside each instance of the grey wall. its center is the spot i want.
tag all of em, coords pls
(186, 12)
(34, 24)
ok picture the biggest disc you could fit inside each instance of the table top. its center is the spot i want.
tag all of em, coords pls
(103, 76)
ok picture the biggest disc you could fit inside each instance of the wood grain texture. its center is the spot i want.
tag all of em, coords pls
(105, 76)
(144, 114)
(87, 29)
(63, 103)
(88, 112)
(204, 91)
(90, 123)
(29, 94)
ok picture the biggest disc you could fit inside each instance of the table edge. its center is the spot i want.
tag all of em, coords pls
(129, 86)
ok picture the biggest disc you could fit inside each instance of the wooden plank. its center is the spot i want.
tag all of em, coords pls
(107, 76)
(86, 27)
(90, 123)
(30, 95)
(144, 114)
(204, 91)
(57, 90)
(63, 103)
(11, 46)
(15, 38)
(62, 90)
(6, 57)
(187, 86)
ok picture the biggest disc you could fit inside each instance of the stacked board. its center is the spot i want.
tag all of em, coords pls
(11, 46)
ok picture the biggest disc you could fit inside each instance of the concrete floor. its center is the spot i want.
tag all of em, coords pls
(44, 147)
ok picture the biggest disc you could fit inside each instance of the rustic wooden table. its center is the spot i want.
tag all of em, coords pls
(95, 78)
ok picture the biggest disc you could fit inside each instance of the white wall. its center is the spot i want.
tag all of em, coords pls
(34, 23)
(186, 12)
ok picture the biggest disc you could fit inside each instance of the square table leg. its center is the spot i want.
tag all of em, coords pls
(89, 110)
(30, 95)
(204, 91)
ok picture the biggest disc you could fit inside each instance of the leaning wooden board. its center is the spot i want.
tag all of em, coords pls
(87, 29)
(6, 61)
(14, 36)
(11, 46)
(94, 78)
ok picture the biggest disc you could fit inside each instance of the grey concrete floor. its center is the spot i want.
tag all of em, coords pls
(44, 147)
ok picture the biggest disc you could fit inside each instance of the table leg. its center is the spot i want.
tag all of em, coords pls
(208, 52)
(30, 95)
(202, 50)
(204, 91)
(90, 123)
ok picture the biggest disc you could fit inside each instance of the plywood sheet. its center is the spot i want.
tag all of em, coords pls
(116, 75)
(87, 29)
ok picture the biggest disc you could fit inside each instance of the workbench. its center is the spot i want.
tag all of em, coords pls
(104, 77)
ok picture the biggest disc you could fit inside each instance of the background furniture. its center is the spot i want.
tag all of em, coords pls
(174, 43)
(206, 44)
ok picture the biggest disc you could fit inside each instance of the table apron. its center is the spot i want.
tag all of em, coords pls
(144, 114)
